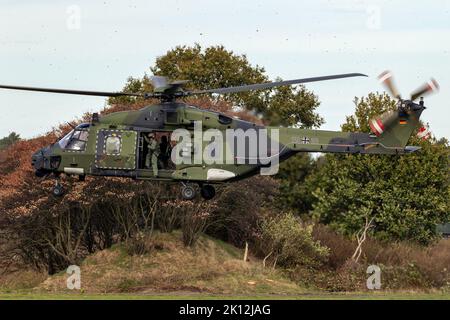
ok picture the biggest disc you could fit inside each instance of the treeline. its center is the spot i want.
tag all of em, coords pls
(9, 140)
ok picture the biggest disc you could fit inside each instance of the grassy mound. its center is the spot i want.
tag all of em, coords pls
(212, 266)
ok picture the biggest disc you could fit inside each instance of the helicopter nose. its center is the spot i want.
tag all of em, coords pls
(40, 162)
(37, 161)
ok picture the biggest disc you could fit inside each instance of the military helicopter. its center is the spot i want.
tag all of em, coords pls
(118, 144)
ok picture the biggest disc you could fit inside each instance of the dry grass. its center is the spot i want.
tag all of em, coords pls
(210, 267)
(21, 279)
(404, 265)
(215, 267)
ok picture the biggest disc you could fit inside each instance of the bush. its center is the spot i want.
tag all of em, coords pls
(403, 265)
(241, 206)
(341, 248)
(288, 242)
(143, 243)
(194, 220)
(167, 217)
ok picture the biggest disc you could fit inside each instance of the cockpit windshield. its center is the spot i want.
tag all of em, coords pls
(76, 139)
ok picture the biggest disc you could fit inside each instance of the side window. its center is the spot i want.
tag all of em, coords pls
(112, 145)
(171, 117)
(224, 119)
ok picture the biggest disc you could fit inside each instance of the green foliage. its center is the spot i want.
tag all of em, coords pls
(366, 108)
(293, 107)
(213, 67)
(9, 140)
(295, 193)
(133, 85)
(407, 195)
(216, 67)
(290, 242)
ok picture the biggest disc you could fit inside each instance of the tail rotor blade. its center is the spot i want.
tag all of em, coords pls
(429, 87)
(387, 80)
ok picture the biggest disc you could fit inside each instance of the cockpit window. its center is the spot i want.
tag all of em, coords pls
(76, 139)
(63, 142)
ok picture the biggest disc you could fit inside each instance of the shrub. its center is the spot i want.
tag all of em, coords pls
(241, 206)
(167, 217)
(194, 219)
(341, 248)
(288, 242)
(403, 265)
(143, 243)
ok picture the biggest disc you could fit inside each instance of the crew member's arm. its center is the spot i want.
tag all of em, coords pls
(153, 145)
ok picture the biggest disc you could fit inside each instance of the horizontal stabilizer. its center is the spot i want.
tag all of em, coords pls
(409, 149)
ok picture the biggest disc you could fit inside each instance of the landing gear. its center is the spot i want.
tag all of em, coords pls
(58, 190)
(188, 192)
(207, 191)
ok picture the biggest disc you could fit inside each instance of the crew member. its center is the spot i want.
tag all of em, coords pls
(164, 148)
(153, 153)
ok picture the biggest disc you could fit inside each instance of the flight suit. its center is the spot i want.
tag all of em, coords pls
(152, 154)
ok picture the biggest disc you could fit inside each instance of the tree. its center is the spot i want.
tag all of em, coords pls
(295, 192)
(9, 140)
(406, 196)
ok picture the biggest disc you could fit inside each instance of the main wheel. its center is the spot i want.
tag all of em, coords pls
(208, 192)
(58, 190)
(188, 192)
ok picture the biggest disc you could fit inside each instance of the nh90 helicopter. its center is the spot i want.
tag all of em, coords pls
(118, 145)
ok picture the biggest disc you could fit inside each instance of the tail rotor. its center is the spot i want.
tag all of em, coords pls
(387, 80)
(401, 122)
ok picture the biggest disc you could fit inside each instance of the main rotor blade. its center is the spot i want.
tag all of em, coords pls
(78, 92)
(261, 86)
(387, 80)
(429, 87)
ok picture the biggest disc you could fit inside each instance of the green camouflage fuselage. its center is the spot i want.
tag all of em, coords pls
(122, 154)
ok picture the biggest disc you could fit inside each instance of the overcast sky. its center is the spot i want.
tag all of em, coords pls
(96, 45)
